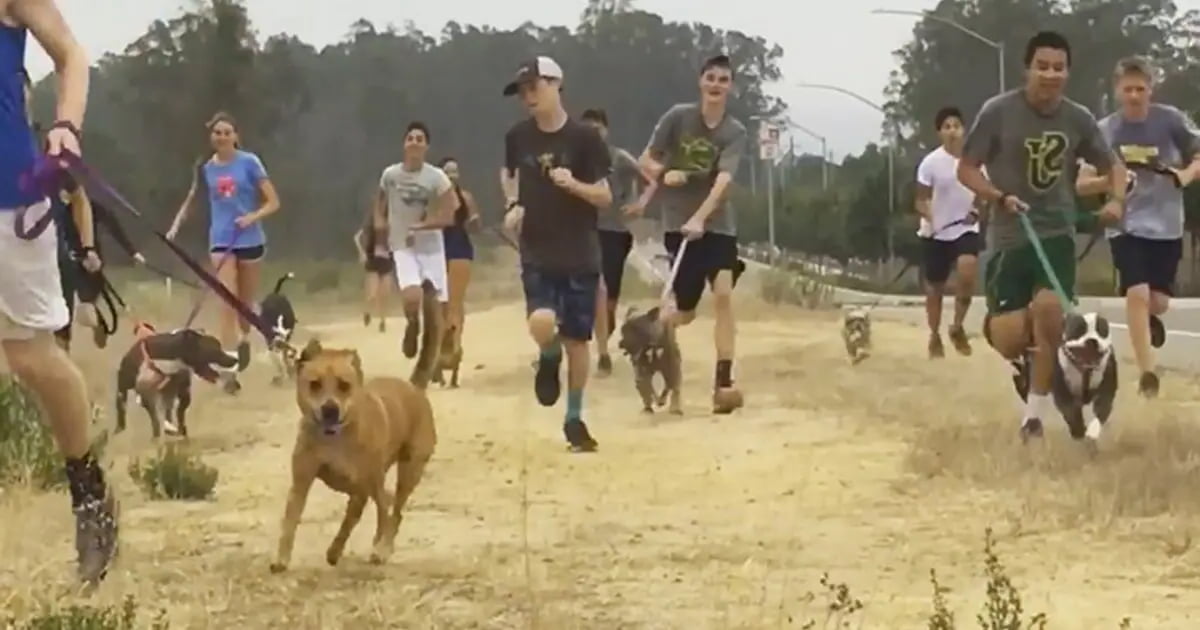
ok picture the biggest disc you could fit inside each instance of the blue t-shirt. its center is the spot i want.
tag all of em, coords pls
(233, 191)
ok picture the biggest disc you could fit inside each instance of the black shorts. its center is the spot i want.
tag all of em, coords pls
(1146, 261)
(243, 254)
(614, 249)
(939, 257)
(702, 260)
(380, 265)
(572, 297)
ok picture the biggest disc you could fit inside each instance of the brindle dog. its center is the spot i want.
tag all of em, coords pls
(652, 349)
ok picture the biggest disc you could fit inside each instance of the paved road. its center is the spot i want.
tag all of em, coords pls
(1181, 352)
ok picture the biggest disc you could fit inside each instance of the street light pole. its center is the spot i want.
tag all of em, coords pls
(930, 15)
(824, 152)
(891, 153)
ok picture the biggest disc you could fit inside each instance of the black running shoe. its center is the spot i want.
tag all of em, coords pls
(604, 365)
(243, 354)
(1158, 332)
(1031, 428)
(1148, 385)
(95, 538)
(546, 383)
(411, 331)
(578, 438)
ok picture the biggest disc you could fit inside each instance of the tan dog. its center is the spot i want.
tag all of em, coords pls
(351, 433)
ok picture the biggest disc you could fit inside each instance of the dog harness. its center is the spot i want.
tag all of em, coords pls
(142, 332)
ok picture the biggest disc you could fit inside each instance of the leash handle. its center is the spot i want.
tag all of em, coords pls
(1027, 225)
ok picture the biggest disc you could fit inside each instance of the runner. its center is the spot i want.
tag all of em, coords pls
(1147, 245)
(31, 304)
(1029, 139)
(240, 195)
(615, 238)
(694, 152)
(555, 170)
(371, 240)
(949, 232)
(459, 254)
(416, 200)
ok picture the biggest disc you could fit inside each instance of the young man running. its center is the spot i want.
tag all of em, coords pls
(555, 180)
(949, 232)
(694, 153)
(416, 200)
(31, 302)
(1029, 139)
(1161, 145)
(615, 238)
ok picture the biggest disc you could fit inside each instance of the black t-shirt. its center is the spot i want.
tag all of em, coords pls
(558, 232)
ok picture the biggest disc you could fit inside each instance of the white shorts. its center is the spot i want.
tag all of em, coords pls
(425, 260)
(31, 298)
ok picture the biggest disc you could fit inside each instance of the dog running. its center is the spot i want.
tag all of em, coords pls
(856, 333)
(351, 432)
(1085, 376)
(277, 312)
(652, 349)
(159, 368)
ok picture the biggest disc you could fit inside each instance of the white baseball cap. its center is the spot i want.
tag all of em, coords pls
(539, 67)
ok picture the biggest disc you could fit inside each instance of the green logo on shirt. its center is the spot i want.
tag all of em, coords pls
(1044, 163)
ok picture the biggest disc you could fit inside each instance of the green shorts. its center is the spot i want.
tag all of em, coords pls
(1013, 276)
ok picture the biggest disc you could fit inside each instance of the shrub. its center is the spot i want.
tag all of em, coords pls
(174, 474)
(123, 617)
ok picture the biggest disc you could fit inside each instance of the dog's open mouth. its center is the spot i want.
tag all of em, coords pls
(207, 373)
(1085, 356)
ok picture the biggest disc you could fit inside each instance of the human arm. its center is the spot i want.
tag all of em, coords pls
(473, 216)
(983, 143)
(186, 207)
(270, 198)
(653, 159)
(924, 192)
(589, 179)
(727, 166)
(444, 204)
(1187, 140)
(1095, 150)
(45, 22)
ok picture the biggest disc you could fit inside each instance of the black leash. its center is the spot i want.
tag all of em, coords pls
(48, 171)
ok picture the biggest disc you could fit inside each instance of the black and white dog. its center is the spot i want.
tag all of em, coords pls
(277, 312)
(1085, 376)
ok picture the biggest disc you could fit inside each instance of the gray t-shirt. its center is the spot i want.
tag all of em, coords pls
(1033, 156)
(622, 181)
(682, 141)
(1154, 208)
(410, 197)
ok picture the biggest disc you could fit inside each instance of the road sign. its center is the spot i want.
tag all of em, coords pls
(768, 142)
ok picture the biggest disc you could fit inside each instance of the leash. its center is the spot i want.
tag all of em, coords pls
(47, 170)
(1056, 285)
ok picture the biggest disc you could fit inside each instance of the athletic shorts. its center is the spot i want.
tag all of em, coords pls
(1013, 276)
(572, 297)
(31, 297)
(253, 253)
(458, 244)
(416, 265)
(1146, 261)
(702, 260)
(381, 265)
(939, 257)
(614, 249)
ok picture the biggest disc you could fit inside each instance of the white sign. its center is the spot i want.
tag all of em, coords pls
(768, 142)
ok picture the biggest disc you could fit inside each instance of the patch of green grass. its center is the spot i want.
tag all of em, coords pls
(28, 453)
(174, 474)
(123, 617)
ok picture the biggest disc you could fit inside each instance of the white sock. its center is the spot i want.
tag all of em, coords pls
(1036, 405)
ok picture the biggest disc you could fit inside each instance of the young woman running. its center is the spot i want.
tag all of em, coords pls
(240, 196)
(459, 254)
(371, 240)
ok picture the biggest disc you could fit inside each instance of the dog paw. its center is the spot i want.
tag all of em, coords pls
(278, 567)
(648, 410)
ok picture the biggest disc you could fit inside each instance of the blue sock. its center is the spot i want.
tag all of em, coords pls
(574, 405)
(552, 351)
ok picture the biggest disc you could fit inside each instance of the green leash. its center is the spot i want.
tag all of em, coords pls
(1056, 285)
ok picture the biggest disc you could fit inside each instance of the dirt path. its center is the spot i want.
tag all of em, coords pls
(693, 523)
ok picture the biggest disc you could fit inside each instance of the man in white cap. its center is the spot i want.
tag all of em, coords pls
(555, 170)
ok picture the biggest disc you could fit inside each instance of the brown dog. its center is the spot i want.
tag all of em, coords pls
(351, 432)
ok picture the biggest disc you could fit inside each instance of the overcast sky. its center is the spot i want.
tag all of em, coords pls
(840, 43)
